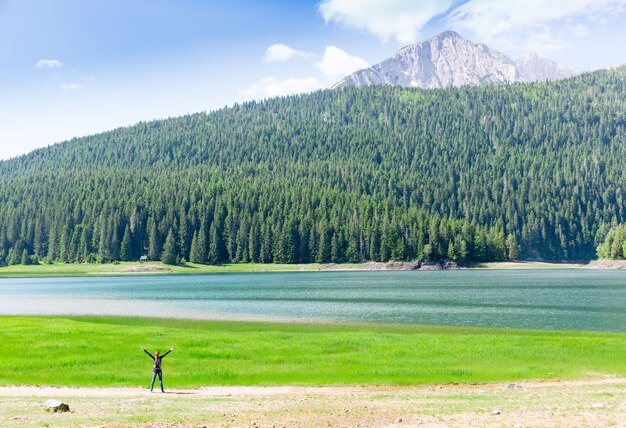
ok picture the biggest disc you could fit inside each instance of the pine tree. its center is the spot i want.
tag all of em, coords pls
(39, 239)
(95, 235)
(304, 227)
(451, 251)
(427, 253)
(323, 249)
(254, 245)
(396, 243)
(10, 261)
(104, 251)
(15, 255)
(64, 245)
(153, 241)
(374, 246)
(183, 233)
(195, 254)
(265, 255)
(126, 246)
(83, 246)
(615, 249)
(114, 241)
(499, 245)
(241, 253)
(334, 249)
(53, 250)
(480, 247)
(512, 247)
(286, 244)
(230, 238)
(24, 259)
(74, 243)
(384, 250)
(313, 243)
(463, 251)
(168, 255)
(202, 246)
(215, 245)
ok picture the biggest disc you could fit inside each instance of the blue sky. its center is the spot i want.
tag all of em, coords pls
(76, 67)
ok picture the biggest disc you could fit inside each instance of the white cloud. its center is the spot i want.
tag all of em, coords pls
(334, 64)
(70, 86)
(273, 87)
(531, 24)
(49, 63)
(399, 19)
(526, 25)
(337, 63)
(282, 52)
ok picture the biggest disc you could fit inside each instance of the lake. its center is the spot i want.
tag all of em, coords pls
(563, 299)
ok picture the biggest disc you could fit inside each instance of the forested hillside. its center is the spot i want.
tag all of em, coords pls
(378, 173)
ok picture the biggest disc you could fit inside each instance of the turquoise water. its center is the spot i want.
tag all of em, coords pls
(567, 299)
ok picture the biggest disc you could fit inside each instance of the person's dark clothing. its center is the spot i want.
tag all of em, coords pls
(154, 375)
(156, 368)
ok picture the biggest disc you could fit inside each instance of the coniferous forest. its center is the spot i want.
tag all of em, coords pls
(494, 172)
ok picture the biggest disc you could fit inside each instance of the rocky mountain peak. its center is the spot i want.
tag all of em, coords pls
(447, 59)
(533, 68)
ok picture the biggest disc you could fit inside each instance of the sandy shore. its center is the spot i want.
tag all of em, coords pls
(154, 268)
(607, 264)
(600, 402)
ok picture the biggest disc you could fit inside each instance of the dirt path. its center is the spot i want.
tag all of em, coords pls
(599, 402)
(228, 391)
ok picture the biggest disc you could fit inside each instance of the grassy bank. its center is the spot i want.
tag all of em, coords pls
(153, 268)
(85, 351)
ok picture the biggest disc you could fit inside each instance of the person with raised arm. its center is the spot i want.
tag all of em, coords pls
(156, 368)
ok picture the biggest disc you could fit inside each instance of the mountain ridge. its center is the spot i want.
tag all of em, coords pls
(449, 60)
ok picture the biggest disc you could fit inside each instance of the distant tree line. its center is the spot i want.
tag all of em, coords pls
(257, 224)
(381, 173)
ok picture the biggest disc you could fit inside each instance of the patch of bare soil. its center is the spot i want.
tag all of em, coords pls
(592, 403)
(373, 266)
(393, 266)
(146, 268)
(607, 264)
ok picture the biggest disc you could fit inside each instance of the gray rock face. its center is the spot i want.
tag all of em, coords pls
(533, 68)
(447, 59)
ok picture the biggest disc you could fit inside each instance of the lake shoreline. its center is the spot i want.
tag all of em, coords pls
(158, 268)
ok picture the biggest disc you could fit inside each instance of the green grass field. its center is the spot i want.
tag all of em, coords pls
(88, 351)
(158, 268)
(151, 268)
